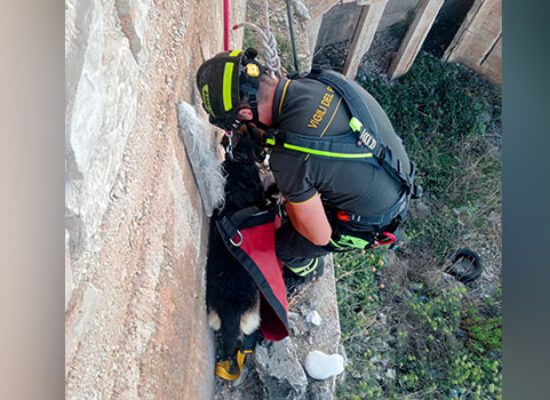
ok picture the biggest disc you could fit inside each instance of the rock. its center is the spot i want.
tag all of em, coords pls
(314, 318)
(68, 271)
(207, 168)
(321, 366)
(87, 310)
(293, 315)
(301, 10)
(280, 371)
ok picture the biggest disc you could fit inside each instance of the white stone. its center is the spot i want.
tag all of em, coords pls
(85, 87)
(87, 311)
(321, 366)
(314, 318)
(301, 10)
(68, 271)
(206, 166)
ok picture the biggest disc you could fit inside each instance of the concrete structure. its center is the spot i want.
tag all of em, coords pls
(414, 38)
(478, 42)
(371, 14)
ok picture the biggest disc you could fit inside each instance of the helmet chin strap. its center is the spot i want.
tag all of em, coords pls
(255, 116)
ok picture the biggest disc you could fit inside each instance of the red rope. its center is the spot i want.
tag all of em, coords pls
(226, 25)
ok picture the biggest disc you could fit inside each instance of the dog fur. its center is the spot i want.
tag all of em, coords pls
(232, 296)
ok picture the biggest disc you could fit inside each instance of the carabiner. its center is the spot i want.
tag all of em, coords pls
(229, 147)
(240, 235)
(390, 239)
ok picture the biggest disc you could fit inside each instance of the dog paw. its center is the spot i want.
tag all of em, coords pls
(214, 320)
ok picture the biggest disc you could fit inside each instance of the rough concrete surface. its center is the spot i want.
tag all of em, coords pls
(135, 229)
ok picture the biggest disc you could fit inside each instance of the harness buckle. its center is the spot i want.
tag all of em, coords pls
(343, 216)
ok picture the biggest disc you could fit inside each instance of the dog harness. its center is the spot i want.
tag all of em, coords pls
(249, 235)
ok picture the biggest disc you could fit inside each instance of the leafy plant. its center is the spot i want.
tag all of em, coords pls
(433, 342)
(444, 113)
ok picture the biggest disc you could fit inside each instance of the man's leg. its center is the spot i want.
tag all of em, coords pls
(295, 251)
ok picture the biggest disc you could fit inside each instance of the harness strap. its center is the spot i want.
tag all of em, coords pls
(399, 208)
(354, 101)
(222, 368)
(363, 142)
(243, 219)
(249, 344)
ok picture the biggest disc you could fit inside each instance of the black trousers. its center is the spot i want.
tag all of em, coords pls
(293, 249)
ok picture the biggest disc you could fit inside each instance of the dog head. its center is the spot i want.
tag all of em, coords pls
(243, 186)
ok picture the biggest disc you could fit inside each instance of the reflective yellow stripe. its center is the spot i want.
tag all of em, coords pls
(306, 269)
(326, 153)
(305, 201)
(227, 85)
(235, 53)
(331, 118)
(283, 96)
(222, 368)
(270, 141)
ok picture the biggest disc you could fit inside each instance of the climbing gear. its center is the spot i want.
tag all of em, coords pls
(387, 240)
(249, 235)
(398, 209)
(344, 240)
(362, 143)
(224, 81)
(223, 367)
(272, 60)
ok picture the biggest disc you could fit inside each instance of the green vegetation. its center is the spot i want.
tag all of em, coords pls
(409, 333)
(445, 115)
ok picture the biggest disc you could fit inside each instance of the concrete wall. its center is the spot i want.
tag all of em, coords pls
(478, 42)
(135, 228)
(338, 24)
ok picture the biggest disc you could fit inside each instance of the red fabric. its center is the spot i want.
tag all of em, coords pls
(259, 245)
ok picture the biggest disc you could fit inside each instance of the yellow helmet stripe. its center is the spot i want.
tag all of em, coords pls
(235, 53)
(227, 86)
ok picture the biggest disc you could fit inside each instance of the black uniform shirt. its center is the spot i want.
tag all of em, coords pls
(309, 107)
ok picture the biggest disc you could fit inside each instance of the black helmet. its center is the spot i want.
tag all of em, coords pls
(224, 80)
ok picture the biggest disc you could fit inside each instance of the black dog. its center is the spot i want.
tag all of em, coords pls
(232, 296)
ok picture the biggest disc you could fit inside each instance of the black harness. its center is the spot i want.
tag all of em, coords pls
(361, 143)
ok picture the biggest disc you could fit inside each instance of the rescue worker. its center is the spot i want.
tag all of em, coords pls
(336, 201)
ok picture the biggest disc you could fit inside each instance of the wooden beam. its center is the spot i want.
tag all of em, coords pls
(424, 18)
(371, 13)
(478, 42)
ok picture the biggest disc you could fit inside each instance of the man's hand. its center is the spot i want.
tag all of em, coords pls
(310, 220)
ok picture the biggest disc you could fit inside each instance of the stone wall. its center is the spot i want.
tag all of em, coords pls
(135, 229)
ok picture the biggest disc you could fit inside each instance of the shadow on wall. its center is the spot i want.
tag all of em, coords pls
(446, 25)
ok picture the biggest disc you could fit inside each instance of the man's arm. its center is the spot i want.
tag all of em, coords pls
(310, 220)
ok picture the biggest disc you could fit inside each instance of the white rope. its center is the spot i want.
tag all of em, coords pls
(273, 63)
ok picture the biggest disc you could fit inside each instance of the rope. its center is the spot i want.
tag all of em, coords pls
(292, 41)
(225, 25)
(273, 63)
